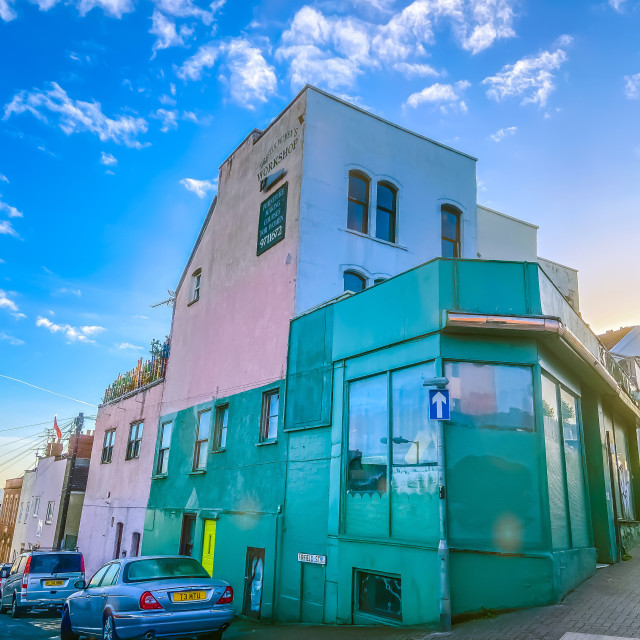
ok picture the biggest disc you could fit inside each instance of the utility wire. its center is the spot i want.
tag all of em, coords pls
(6, 455)
(38, 424)
(46, 435)
(8, 465)
(55, 393)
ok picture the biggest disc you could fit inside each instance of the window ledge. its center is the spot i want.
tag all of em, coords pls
(162, 476)
(217, 451)
(192, 302)
(266, 442)
(378, 240)
(197, 472)
(128, 459)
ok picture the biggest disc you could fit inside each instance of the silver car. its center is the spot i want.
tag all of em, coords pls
(41, 580)
(149, 597)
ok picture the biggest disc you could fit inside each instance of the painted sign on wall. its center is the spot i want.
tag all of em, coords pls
(273, 217)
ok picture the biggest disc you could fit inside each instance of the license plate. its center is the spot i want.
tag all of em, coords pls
(186, 596)
(53, 583)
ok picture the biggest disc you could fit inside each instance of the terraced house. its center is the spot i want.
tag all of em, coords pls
(343, 268)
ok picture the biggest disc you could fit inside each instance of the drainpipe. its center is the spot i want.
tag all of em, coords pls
(443, 546)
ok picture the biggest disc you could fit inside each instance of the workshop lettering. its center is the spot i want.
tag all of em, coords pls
(269, 163)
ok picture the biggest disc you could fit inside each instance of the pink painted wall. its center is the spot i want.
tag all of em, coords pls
(119, 491)
(235, 336)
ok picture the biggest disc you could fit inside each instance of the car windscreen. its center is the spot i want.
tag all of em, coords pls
(163, 568)
(56, 563)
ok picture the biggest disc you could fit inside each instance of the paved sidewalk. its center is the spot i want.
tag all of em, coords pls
(608, 604)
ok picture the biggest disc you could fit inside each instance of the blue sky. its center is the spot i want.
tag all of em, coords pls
(115, 115)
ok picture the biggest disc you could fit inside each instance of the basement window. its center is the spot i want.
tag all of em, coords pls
(379, 595)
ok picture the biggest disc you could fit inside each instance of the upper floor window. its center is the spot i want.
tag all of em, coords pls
(358, 211)
(202, 440)
(36, 507)
(354, 282)
(386, 212)
(195, 285)
(450, 217)
(270, 409)
(135, 440)
(50, 508)
(220, 436)
(107, 445)
(163, 452)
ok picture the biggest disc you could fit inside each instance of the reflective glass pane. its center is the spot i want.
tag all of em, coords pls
(449, 249)
(574, 469)
(140, 427)
(491, 396)
(385, 225)
(379, 595)
(367, 457)
(358, 189)
(449, 225)
(386, 197)
(357, 217)
(201, 454)
(555, 468)
(414, 436)
(274, 401)
(166, 435)
(353, 282)
(204, 425)
(272, 427)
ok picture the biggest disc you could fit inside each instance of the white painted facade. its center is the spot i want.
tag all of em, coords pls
(24, 510)
(501, 237)
(565, 278)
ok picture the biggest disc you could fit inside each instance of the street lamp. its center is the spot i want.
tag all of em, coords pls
(401, 440)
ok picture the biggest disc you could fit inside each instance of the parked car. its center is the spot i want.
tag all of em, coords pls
(41, 580)
(149, 597)
(4, 574)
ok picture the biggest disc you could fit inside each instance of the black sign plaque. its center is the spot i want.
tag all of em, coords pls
(273, 218)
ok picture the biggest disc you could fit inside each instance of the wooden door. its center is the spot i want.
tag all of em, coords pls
(208, 545)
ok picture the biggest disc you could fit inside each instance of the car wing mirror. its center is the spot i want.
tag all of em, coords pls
(80, 584)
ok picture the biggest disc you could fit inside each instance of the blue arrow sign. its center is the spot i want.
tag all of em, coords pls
(439, 404)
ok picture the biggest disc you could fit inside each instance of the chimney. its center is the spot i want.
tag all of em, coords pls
(54, 448)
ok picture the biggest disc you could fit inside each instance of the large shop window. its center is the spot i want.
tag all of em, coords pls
(565, 471)
(493, 493)
(392, 440)
(358, 209)
(491, 396)
(379, 595)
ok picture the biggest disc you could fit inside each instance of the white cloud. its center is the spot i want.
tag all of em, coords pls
(165, 31)
(128, 345)
(139, 317)
(531, 77)
(115, 8)
(72, 333)
(76, 116)
(193, 67)
(73, 292)
(167, 101)
(107, 159)
(446, 96)
(483, 22)
(200, 187)
(7, 303)
(3, 178)
(184, 9)
(15, 342)
(6, 229)
(501, 134)
(19, 316)
(617, 4)
(251, 78)
(169, 119)
(6, 11)
(632, 86)
(12, 212)
(413, 70)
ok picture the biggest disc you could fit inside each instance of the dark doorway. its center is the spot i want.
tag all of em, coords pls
(253, 579)
(118, 545)
(187, 536)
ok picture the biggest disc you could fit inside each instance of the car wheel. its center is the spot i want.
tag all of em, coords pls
(66, 630)
(15, 610)
(109, 629)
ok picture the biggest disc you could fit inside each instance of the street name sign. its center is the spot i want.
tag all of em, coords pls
(439, 404)
(312, 558)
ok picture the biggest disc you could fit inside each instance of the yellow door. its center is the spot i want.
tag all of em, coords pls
(208, 545)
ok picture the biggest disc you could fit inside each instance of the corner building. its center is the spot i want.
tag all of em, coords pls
(284, 476)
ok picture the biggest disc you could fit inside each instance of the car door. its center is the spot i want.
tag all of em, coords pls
(99, 595)
(14, 581)
(7, 592)
(79, 606)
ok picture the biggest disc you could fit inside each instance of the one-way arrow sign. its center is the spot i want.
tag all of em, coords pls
(438, 404)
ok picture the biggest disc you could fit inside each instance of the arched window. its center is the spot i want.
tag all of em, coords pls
(386, 212)
(358, 211)
(450, 217)
(355, 282)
